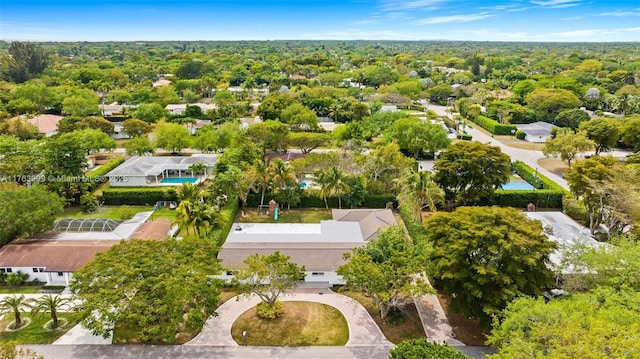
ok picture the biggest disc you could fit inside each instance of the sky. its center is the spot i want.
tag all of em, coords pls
(148, 20)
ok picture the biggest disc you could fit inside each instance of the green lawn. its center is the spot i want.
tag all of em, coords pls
(301, 324)
(105, 212)
(292, 216)
(34, 332)
(411, 328)
(20, 289)
(164, 214)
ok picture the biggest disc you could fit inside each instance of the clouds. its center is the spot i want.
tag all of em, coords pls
(453, 18)
(556, 4)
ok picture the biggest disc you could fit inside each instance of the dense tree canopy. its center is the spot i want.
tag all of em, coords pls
(468, 171)
(26, 211)
(141, 284)
(487, 256)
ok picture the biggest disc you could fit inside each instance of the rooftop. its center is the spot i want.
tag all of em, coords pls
(153, 166)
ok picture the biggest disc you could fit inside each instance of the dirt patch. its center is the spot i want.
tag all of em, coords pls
(525, 145)
(554, 165)
(153, 230)
(468, 331)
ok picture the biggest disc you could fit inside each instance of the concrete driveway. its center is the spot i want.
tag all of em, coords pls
(363, 331)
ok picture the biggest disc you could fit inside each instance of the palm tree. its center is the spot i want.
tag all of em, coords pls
(332, 182)
(322, 179)
(206, 218)
(263, 178)
(282, 174)
(50, 304)
(14, 304)
(186, 213)
(338, 184)
(190, 192)
(419, 191)
(197, 168)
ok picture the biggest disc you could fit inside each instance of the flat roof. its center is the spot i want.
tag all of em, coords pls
(330, 231)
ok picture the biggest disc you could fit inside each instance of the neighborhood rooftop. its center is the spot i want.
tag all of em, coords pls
(154, 166)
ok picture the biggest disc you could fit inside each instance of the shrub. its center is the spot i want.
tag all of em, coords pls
(574, 208)
(17, 278)
(520, 199)
(89, 202)
(96, 176)
(520, 135)
(137, 196)
(494, 126)
(311, 200)
(464, 136)
(267, 311)
(230, 210)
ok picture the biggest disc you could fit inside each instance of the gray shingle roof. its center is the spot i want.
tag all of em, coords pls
(153, 166)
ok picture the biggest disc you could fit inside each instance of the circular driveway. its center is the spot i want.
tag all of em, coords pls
(362, 329)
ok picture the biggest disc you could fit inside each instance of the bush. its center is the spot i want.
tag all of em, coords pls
(89, 202)
(137, 196)
(520, 135)
(16, 278)
(230, 210)
(96, 176)
(574, 208)
(494, 126)
(464, 136)
(520, 199)
(267, 311)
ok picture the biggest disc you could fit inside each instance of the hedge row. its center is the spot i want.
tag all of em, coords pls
(101, 171)
(532, 176)
(137, 196)
(229, 211)
(314, 201)
(494, 126)
(520, 199)
(464, 136)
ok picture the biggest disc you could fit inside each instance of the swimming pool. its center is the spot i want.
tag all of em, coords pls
(179, 180)
(517, 186)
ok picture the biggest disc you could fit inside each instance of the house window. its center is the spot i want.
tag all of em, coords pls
(229, 272)
(6, 270)
(37, 270)
(317, 273)
(60, 274)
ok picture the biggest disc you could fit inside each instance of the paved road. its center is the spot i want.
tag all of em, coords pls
(363, 331)
(529, 157)
(198, 352)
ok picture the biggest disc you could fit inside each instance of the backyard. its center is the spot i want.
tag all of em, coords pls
(307, 215)
(106, 212)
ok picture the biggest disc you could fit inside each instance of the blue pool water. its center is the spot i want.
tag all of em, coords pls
(517, 186)
(179, 180)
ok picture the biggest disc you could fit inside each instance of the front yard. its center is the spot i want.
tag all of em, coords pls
(35, 332)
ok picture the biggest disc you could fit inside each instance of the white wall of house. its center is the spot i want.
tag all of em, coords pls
(536, 138)
(50, 278)
(310, 277)
(128, 181)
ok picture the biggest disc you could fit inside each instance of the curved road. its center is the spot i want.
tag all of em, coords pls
(530, 157)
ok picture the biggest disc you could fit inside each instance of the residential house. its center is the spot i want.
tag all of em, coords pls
(160, 171)
(319, 247)
(537, 131)
(47, 124)
(180, 108)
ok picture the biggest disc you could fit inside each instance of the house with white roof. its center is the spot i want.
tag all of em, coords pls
(537, 131)
(145, 171)
(319, 247)
(180, 108)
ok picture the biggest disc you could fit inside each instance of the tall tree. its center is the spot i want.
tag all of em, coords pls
(487, 256)
(608, 323)
(387, 270)
(307, 142)
(25, 61)
(631, 132)
(135, 128)
(268, 277)
(172, 137)
(468, 171)
(419, 191)
(50, 304)
(414, 135)
(14, 304)
(26, 211)
(603, 131)
(141, 284)
(567, 145)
